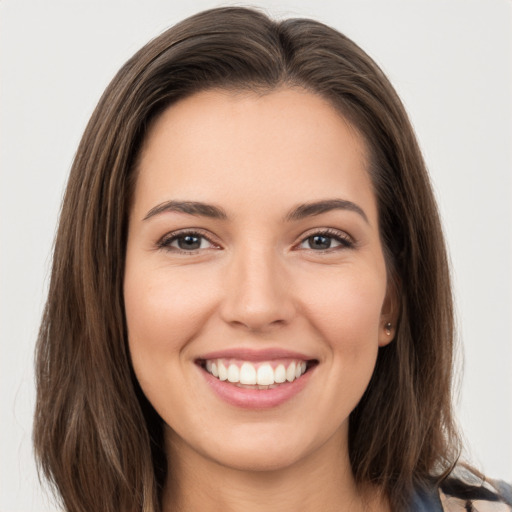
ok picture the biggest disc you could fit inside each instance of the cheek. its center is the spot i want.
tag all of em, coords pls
(345, 306)
(164, 309)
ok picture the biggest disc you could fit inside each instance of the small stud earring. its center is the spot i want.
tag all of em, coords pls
(388, 328)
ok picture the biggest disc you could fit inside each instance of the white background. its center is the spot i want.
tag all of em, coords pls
(451, 61)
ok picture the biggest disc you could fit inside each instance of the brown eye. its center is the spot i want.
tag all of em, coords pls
(327, 240)
(186, 242)
(321, 242)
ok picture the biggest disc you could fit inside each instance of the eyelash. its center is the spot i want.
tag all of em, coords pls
(166, 241)
(345, 241)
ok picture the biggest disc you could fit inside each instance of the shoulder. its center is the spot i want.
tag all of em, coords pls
(464, 491)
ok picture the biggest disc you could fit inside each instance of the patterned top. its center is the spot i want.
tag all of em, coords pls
(465, 495)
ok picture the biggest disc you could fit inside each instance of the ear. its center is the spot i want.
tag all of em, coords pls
(389, 313)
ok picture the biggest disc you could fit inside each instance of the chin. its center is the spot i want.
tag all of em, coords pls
(262, 459)
(255, 448)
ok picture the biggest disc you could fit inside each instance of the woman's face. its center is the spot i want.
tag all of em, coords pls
(255, 282)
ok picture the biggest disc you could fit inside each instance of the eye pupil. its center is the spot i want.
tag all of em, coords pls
(319, 242)
(189, 242)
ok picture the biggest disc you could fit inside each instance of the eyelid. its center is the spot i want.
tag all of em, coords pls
(347, 241)
(164, 242)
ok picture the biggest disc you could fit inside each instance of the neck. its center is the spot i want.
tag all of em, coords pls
(321, 481)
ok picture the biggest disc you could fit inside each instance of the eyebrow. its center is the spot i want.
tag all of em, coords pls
(189, 207)
(215, 212)
(327, 205)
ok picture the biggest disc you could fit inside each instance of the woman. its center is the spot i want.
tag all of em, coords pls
(250, 304)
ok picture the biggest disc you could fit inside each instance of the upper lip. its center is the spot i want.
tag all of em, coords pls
(256, 355)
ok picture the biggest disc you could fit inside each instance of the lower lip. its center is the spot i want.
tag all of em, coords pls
(256, 398)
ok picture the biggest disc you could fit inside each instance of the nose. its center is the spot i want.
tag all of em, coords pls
(257, 291)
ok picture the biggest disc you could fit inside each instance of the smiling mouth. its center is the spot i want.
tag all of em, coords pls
(261, 375)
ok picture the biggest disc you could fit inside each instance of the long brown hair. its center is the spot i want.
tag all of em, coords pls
(96, 437)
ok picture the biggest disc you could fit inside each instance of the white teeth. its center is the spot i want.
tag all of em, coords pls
(233, 373)
(265, 375)
(290, 373)
(247, 374)
(280, 374)
(223, 373)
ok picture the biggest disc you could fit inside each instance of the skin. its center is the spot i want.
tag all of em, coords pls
(256, 281)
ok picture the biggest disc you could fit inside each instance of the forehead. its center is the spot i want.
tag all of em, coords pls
(290, 144)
